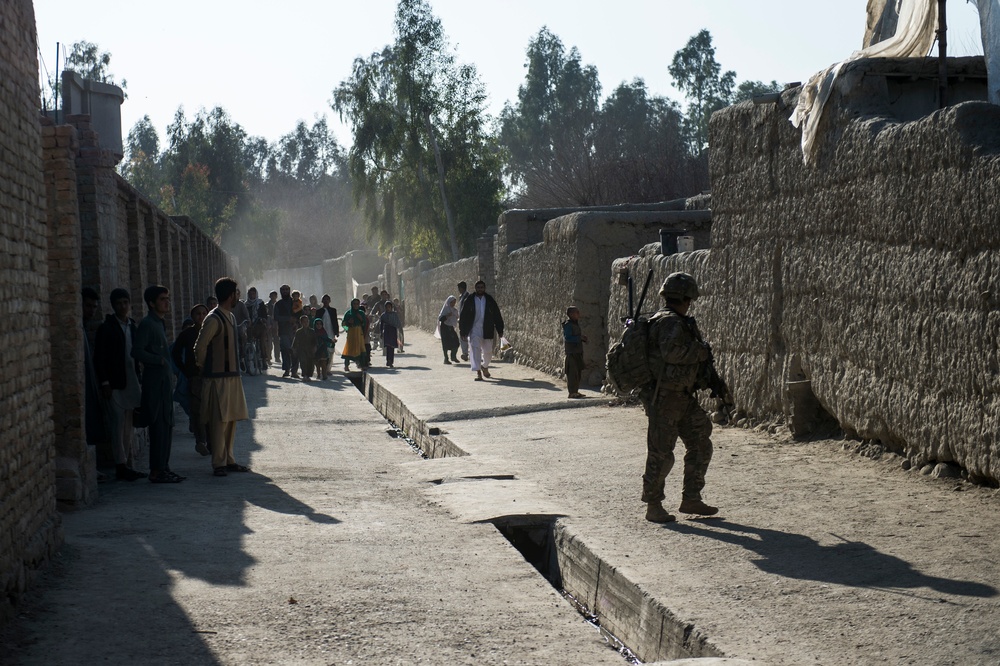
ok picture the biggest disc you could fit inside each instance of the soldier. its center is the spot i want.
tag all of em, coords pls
(671, 405)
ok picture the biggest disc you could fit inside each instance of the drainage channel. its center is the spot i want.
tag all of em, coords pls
(393, 430)
(632, 622)
(535, 542)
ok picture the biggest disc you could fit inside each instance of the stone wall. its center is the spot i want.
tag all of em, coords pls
(29, 523)
(869, 278)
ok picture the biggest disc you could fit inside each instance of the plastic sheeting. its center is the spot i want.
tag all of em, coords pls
(989, 23)
(915, 32)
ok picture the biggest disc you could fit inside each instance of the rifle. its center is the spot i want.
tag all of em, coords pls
(713, 381)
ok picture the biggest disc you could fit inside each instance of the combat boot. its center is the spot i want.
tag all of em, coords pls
(655, 513)
(696, 506)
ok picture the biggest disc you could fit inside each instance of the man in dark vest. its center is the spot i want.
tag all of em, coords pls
(222, 400)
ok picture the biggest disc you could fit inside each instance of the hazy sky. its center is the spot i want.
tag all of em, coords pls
(271, 64)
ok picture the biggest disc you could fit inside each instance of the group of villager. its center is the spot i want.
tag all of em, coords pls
(131, 378)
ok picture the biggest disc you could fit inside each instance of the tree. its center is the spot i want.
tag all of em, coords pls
(549, 133)
(640, 153)
(413, 111)
(141, 166)
(307, 181)
(699, 76)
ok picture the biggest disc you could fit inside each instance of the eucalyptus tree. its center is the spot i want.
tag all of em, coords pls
(699, 76)
(549, 132)
(420, 140)
(640, 151)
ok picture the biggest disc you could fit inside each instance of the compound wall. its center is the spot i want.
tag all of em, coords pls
(872, 276)
(572, 266)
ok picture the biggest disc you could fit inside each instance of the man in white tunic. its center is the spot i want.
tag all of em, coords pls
(223, 402)
(482, 322)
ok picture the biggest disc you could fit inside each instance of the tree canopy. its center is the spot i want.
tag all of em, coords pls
(425, 169)
(699, 76)
(428, 168)
(567, 148)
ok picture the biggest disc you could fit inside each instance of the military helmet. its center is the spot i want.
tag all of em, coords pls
(679, 286)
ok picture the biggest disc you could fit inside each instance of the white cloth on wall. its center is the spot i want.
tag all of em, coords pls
(989, 24)
(914, 37)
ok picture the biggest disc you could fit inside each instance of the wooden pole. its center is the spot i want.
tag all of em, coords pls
(942, 37)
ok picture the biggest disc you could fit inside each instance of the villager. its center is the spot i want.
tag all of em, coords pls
(157, 406)
(240, 311)
(223, 402)
(313, 306)
(211, 303)
(480, 320)
(258, 327)
(355, 322)
(400, 310)
(324, 345)
(260, 331)
(331, 324)
(272, 327)
(242, 315)
(304, 345)
(574, 338)
(284, 314)
(463, 294)
(118, 377)
(447, 323)
(677, 357)
(391, 330)
(371, 299)
(184, 358)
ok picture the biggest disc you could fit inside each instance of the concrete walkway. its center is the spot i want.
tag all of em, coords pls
(819, 556)
(345, 547)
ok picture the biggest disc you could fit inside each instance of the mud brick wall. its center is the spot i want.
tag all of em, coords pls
(873, 275)
(29, 523)
(572, 266)
(426, 289)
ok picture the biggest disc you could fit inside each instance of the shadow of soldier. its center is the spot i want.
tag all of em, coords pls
(848, 563)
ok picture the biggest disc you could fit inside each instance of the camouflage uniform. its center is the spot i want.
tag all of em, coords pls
(676, 411)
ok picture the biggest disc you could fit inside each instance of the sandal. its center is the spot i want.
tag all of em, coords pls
(164, 477)
(237, 468)
(219, 471)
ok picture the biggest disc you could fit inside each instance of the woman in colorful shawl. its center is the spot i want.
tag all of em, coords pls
(392, 332)
(355, 322)
(447, 323)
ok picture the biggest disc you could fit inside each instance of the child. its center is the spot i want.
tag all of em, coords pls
(392, 332)
(323, 345)
(574, 339)
(304, 345)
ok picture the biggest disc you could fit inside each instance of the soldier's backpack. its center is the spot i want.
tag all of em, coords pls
(628, 359)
